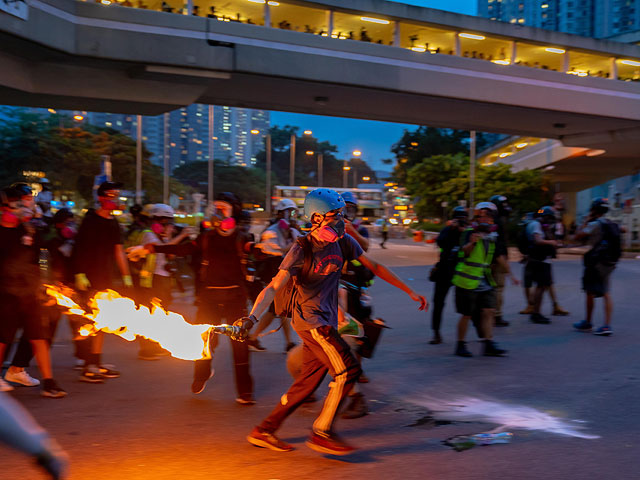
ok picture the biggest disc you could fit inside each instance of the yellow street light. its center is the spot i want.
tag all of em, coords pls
(346, 168)
(255, 131)
(356, 153)
(309, 152)
(366, 179)
(308, 132)
(78, 118)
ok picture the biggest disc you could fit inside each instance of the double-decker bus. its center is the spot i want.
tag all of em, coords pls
(370, 200)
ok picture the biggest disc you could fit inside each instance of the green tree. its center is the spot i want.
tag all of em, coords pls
(248, 183)
(70, 155)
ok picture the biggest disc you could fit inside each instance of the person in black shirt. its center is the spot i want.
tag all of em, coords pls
(21, 293)
(222, 294)
(98, 246)
(449, 242)
(498, 270)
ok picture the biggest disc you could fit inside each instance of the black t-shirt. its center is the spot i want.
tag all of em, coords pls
(19, 270)
(94, 252)
(223, 254)
(449, 242)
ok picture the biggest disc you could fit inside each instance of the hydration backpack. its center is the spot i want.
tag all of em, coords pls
(609, 249)
(522, 240)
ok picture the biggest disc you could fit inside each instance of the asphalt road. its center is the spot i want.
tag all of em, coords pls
(147, 425)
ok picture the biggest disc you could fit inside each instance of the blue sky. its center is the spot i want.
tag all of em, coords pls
(374, 139)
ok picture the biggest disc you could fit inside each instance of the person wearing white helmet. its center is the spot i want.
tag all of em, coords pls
(274, 243)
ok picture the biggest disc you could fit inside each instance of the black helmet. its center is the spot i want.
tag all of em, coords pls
(600, 206)
(501, 202)
(23, 188)
(8, 195)
(135, 210)
(62, 215)
(233, 200)
(546, 212)
(460, 212)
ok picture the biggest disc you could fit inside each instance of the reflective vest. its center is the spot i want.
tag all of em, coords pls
(470, 270)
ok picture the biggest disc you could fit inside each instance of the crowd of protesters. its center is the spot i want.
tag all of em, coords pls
(315, 283)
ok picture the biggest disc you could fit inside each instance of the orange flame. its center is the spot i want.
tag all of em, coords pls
(113, 313)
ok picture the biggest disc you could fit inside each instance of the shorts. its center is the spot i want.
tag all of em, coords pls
(22, 312)
(538, 273)
(595, 280)
(470, 301)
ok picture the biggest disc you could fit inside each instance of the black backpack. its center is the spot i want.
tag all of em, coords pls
(609, 249)
(522, 240)
(284, 300)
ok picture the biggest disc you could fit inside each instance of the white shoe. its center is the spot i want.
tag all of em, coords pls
(4, 386)
(22, 377)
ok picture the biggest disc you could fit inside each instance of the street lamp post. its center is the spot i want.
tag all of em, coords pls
(320, 170)
(472, 169)
(210, 164)
(345, 171)
(292, 160)
(139, 160)
(267, 206)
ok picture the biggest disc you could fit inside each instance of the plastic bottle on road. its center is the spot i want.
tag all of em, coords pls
(465, 442)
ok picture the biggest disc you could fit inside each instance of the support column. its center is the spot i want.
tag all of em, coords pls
(472, 170)
(565, 61)
(396, 34)
(320, 170)
(329, 23)
(188, 7)
(267, 15)
(456, 48)
(514, 53)
(292, 160)
(613, 69)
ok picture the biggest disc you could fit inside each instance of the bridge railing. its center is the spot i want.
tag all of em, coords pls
(420, 37)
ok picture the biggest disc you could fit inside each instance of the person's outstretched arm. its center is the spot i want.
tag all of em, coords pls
(388, 276)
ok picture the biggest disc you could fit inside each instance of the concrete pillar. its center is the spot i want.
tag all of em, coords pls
(613, 69)
(329, 23)
(456, 48)
(396, 34)
(514, 53)
(139, 159)
(565, 61)
(210, 165)
(165, 162)
(267, 15)
(188, 7)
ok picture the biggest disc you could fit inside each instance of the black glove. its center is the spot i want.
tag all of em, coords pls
(245, 324)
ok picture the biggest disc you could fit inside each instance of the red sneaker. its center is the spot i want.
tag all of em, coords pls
(268, 440)
(329, 443)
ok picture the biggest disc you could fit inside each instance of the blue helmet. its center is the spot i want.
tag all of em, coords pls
(321, 201)
(349, 197)
(546, 212)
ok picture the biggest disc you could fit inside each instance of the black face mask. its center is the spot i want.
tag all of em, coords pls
(337, 226)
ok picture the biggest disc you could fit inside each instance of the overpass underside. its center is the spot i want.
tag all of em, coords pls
(80, 56)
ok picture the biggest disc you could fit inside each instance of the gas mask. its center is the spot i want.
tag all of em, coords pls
(222, 219)
(68, 232)
(332, 231)
(109, 200)
(350, 212)
(482, 227)
(283, 224)
(157, 228)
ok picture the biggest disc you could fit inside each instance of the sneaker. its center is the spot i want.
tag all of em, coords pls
(107, 372)
(461, 350)
(267, 440)
(246, 400)
(255, 345)
(604, 330)
(22, 377)
(538, 318)
(357, 407)
(558, 311)
(436, 340)
(527, 311)
(51, 389)
(491, 349)
(328, 443)
(198, 384)
(4, 386)
(289, 346)
(499, 322)
(582, 326)
(91, 374)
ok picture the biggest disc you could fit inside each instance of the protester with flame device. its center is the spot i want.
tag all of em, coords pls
(98, 246)
(222, 293)
(310, 274)
(21, 292)
(475, 287)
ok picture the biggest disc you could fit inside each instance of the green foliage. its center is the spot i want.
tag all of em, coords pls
(70, 155)
(248, 183)
(445, 178)
(427, 142)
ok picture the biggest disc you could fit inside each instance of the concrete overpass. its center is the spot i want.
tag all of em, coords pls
(80, 55)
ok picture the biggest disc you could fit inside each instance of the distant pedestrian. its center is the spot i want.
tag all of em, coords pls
(385, 232)
(599, 262)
